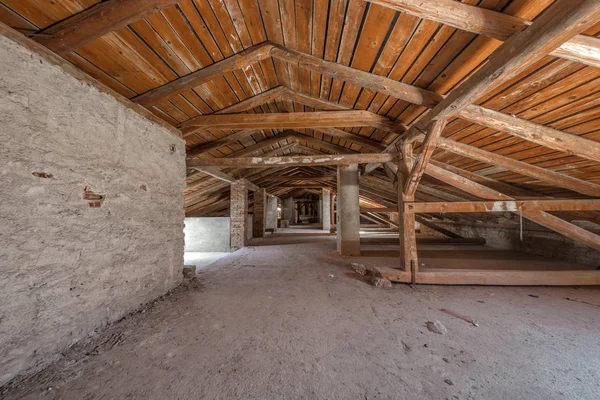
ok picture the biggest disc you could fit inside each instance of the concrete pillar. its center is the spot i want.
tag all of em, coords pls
(288, 209)
(326, 210)
(271, 213)
(259, 219)
(238, 212)
(348, 211)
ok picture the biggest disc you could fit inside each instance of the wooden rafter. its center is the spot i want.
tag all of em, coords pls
(238, 61)
(549, 137)
(98, 20)
(434, 131)
(560, 22)
(555, 178)
(479, 20)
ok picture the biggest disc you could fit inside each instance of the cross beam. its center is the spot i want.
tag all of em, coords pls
(292, 161)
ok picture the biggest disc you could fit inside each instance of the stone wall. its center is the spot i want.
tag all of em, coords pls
(91, 206)
(207, 234)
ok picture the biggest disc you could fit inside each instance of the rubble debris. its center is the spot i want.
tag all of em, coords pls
(359, 268)
(436, 327)
(535, 296)
(449, 382)
(459, 316)
(189, 271)
(381, 282)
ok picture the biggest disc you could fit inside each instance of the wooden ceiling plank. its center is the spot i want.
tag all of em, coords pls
(581, 48)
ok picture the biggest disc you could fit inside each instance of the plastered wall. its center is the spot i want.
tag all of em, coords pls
(207, 234)
(91, 208)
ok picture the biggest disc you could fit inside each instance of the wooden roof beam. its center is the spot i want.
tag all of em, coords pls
(238, 61)
(520, 167)
(530, 131)
(560, 22)
(96, 21)
(320, 119)
(188, 127)
(293, 161)
(494, 24)
(286, 178)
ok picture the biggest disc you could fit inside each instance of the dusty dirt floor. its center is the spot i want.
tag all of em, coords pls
(290, 319)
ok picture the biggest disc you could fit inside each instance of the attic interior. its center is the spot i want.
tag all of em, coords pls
(300, 199)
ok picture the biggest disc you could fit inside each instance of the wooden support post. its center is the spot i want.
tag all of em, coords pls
(434, 131)
(409, 260)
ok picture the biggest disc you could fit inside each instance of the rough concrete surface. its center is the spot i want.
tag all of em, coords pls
(207, 234)
(292, 320)
(91, 210)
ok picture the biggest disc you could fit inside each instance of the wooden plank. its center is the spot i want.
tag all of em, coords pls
(556, 179)
(98, 20)
(238, 61)
(560, 22)
(322, 119)
(507, 277)
(434, 131)
(504, 206)
(479, 20)
(291, 161)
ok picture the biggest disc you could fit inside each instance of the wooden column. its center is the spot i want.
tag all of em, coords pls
(409, 260)
(238, 212)
(259, 217)
(348, 213)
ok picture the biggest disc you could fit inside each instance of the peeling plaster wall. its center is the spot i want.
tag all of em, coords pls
(91, 209)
